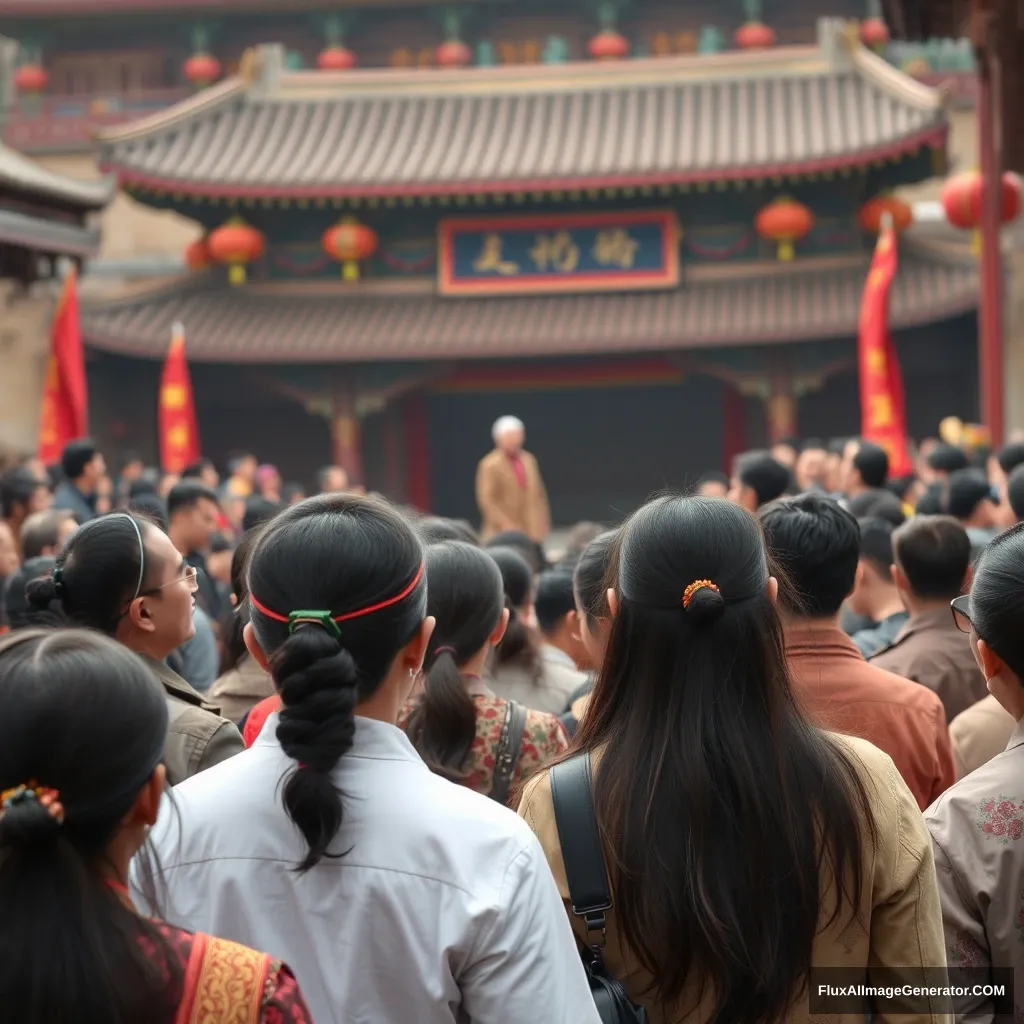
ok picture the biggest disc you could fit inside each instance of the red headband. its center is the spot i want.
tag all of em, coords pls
(414, 583)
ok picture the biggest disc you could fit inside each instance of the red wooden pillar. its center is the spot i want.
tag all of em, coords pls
(781, 403)
(734, 425)
(417, 452)
(346, 441)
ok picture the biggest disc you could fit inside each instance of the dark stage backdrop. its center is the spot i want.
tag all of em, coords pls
(602, 451)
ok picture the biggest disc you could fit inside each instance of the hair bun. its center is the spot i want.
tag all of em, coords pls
(705, 605)
(42, 592)
(27, 823)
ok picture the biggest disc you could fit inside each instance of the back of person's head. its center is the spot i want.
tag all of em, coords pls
(17, 610)
(764, 475)
(876, 546)
(713, 485)
(554, 600)
(101, 570)
(946, 458)
(41, 532)
(1015, 492)
(435, 529)
(337, 591)
(701, 743)
(877, 503)
(519, 645)
(530, 550)
(930, 503)
(817, 545)
(76, 456)
(466, 600)
(150, 506)
(1011, 456)
(872, 463)
(147, 483)
(966, 490)
(81, 740)
(577, 540)
(258, 511)
(933, 553)
(18, 487)
(997, 598)
(235, 619)
(591, 577)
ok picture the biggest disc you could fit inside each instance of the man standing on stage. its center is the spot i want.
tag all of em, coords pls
(509, 488)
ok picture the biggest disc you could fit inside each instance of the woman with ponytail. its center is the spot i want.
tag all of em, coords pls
(744, 846)
(457, 724)
(81, 741)
(395, 896)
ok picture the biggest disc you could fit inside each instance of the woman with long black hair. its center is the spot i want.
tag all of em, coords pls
(457, 724)
(393, 894)
(743, 845)
(82, 738)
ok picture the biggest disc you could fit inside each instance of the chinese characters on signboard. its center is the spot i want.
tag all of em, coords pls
(583, 252)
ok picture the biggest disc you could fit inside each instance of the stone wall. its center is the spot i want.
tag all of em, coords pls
(24, 332)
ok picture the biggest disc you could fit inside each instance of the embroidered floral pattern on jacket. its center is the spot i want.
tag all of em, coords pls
(1001, 819)
(543, 740)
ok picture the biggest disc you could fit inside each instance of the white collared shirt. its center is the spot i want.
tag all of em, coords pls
(444, 909)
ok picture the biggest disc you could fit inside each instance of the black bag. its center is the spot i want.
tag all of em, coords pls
(506, 757)
(589, 893)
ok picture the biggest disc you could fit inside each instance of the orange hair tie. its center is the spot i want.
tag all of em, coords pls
(693, 588)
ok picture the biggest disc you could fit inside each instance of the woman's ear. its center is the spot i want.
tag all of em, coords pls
(613, 602)
(990, 662)
(499, 630)
(771, 588)
(252, 645)
(416, 649)
(147, 804)
(138, 615)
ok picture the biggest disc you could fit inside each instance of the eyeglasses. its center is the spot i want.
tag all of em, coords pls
(190, 575)
(961, 608)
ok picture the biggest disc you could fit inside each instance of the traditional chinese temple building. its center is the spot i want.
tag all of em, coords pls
(655, 262)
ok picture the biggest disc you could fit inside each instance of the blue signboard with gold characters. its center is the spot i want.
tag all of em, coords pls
(558, 253)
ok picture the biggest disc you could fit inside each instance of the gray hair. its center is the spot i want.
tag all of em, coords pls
(505, 425)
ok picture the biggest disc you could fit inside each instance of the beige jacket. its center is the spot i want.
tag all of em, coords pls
(198, 738)
(556, 682)
(900, 901)
(979, 733)
(977, 830)
(505, 504)
(237, 692)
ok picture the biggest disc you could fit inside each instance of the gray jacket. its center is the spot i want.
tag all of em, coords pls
(198, 737)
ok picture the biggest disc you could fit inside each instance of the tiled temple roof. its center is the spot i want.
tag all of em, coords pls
(384, 132)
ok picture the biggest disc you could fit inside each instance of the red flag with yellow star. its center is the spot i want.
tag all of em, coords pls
(65, 401)
(882, 399)
(179, 433)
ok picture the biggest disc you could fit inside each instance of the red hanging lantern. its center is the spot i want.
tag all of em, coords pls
(453, 54)
(874, 33)
(961, 199)
(784, 221)
(197, 254)
(236, 244)
(873, 210)
(202, 69)
(754, 35)
(336, 58)
(349, 242)
(31, 79)
(608, 45)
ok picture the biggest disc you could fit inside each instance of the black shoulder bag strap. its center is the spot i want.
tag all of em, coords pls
(589, 893)
(506, 757)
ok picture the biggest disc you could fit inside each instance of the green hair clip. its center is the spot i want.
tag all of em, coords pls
(324, 619)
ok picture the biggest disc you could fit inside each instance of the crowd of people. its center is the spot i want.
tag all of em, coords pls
(261, 753)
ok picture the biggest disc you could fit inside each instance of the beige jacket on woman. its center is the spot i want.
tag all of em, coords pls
(899, 903)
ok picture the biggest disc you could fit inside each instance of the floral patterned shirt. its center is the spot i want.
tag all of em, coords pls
(543, 740)
(977, 830)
